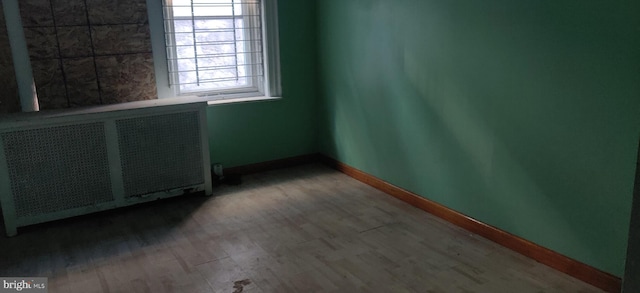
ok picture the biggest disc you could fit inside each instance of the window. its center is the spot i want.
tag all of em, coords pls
(221, 48)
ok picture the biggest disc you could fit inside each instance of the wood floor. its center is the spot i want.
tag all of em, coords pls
(301, 229)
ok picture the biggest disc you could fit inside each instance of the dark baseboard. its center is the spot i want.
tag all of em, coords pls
(274, 164)
(569, 266)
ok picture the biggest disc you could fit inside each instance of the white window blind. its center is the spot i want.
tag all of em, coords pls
(215, 47)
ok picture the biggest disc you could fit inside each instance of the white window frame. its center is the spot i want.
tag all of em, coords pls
(269, 89)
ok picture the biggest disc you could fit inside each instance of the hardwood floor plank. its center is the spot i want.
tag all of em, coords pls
(302, 229)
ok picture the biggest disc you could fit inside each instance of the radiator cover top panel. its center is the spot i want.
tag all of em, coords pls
(50, 167)
(168, 144)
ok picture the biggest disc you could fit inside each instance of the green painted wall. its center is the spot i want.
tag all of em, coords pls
(248, 133)
(522, 114)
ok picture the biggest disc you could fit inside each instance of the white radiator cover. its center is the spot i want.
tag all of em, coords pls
(55, 165)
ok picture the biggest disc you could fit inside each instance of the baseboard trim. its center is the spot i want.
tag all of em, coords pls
(272, 165)
(569, 266)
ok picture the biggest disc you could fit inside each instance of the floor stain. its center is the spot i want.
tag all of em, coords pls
(239, 285)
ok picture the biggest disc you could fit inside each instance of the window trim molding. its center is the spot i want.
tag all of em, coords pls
(271, 54)
(158, 49)
(270, 32)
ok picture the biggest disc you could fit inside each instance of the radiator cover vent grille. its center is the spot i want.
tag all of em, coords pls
(60, 164)
(168, 144)
(50, 167)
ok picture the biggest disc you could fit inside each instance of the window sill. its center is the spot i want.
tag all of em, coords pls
(212, 101)
(241, 100)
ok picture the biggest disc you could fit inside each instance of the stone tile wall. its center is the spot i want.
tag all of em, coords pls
(89, 52)
(9, 99)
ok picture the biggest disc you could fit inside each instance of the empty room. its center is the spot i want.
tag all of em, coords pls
(319, 146)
